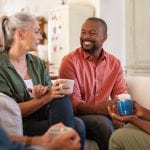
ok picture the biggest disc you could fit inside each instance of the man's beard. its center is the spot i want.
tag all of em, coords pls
(90, 50)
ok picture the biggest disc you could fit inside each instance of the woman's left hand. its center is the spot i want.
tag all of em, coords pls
(38, 90)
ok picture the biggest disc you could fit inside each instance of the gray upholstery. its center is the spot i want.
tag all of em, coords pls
(10, 115)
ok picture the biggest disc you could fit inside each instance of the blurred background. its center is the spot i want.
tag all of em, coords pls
(60, 21)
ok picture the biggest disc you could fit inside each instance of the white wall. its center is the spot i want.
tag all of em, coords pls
(113, 12)
(40, 7)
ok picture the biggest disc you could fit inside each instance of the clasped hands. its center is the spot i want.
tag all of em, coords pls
(120, 120)
(69, 140)
(54, 92)
(110, 108)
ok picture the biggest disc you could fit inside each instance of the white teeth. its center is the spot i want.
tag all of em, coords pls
(87, 42)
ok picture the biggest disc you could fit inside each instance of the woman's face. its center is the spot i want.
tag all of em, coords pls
(31, 37)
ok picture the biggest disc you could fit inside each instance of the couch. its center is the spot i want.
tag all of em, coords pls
(10, 115)
(138, 87)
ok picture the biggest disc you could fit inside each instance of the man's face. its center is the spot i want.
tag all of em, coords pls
(92, 36)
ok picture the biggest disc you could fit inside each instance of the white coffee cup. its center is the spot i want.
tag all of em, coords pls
(66, 83)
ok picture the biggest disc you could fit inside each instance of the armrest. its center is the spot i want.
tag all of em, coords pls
(10, 115)
(138, 88)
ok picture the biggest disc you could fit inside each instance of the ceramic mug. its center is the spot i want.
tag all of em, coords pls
(67, 82)
(125, 107)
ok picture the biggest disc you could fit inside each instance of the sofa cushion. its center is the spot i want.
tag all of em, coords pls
(139, 89)
(10, 115)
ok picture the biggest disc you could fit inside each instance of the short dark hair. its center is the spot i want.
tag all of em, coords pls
(101, 21)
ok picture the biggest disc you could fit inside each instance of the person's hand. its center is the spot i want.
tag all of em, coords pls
(101, 108)
(52, 93)
(62, 84)
(141, 111)
(68, 140)
(115, 115)
(56, 90)
(46, 138)
(112, 110)
(138, 109)
(38, 91)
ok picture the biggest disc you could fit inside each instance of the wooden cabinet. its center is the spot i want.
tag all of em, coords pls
(42, 21)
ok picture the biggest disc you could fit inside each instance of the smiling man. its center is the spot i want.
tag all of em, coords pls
(98, 79)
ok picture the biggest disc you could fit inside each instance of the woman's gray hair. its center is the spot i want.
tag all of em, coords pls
(8, 26)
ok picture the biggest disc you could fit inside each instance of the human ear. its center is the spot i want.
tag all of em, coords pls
(19, 34)
(105, 37)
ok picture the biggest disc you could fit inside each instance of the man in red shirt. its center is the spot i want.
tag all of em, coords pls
(98, 79)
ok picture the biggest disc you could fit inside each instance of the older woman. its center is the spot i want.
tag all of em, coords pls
(24, 77)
